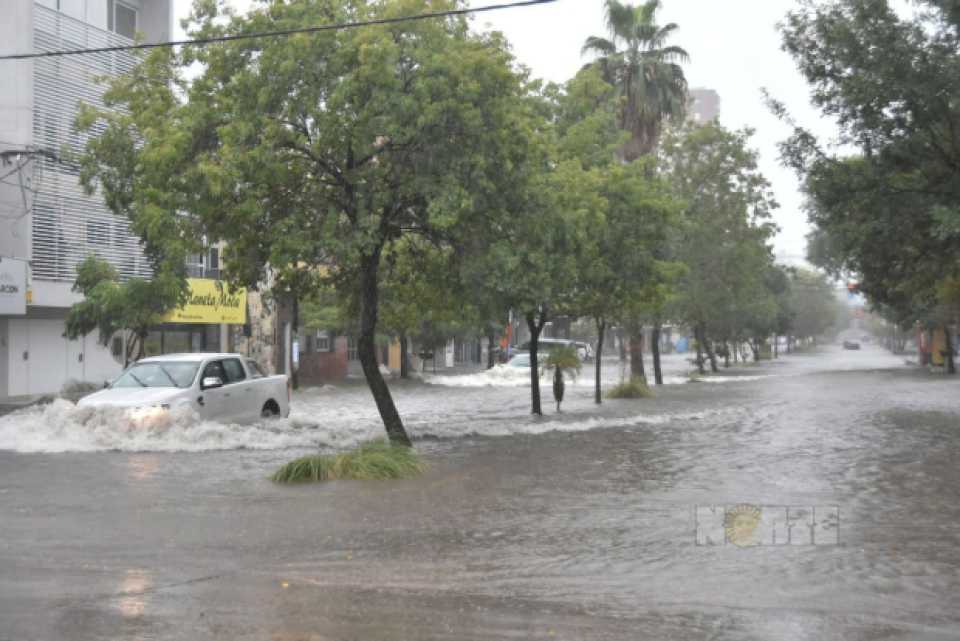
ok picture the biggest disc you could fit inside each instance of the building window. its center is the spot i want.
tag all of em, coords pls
(121, 19)
(195, 265)
(205, 264)
(324, 343)
(213, 263)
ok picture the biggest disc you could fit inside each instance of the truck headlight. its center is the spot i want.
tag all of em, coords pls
(148, 416)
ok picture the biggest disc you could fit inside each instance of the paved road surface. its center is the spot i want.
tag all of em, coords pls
(837, 473)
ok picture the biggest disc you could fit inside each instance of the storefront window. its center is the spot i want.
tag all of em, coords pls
(177, 341)
(177, 338)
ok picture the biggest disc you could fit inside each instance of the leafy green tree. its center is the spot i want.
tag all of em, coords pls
(646, 71)
(327, 149)
(651, 90)
(532, 266)
(813, 304)
(725, 231)
(886, 213)
(110, 306)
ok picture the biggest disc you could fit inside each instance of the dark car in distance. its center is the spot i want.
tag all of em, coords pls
(851, 345)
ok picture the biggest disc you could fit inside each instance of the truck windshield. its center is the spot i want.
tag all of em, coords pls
(165, 374)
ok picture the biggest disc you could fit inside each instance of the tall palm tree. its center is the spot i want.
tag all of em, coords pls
(645, 70)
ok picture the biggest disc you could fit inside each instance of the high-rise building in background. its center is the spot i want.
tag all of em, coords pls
(704, 105)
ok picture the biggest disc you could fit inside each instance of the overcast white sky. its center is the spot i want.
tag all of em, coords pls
(734, 48)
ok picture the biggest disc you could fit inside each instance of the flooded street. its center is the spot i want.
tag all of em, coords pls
(597, 523)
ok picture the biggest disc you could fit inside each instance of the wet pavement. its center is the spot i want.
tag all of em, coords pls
(837, 472)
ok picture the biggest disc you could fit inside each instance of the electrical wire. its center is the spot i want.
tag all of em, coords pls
(283, 32)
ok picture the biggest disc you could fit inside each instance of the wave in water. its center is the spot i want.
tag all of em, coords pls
(63, 427)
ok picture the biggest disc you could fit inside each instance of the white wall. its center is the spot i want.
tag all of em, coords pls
(48, 293)
(52, 360)
(97, 13)
(156, 19)
(16, 118)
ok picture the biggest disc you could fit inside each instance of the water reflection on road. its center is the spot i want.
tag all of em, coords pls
(575, 526)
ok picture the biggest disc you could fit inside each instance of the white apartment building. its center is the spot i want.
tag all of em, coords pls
(47, 224)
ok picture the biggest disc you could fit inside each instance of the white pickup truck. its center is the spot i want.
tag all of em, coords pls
(228, 388)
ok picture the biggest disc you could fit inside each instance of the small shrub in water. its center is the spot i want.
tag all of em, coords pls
(563, 360)
(374, 461)
(634, 388)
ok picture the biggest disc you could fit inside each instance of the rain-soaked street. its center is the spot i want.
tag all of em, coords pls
(594, 524)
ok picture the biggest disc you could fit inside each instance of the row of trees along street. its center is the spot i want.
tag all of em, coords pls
(884, 200)
(414, 171)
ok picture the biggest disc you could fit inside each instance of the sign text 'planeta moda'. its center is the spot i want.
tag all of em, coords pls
(211, 301)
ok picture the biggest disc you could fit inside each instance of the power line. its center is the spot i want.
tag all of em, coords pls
(284, 32)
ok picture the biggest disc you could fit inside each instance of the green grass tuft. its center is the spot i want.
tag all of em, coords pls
(373, 461)
(634, 388)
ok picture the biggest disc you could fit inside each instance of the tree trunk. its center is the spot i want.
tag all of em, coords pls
(404, 361)
(756, 350)
(948, 344)
(134, 349)
(711, 354)
(535, 325)
(636, 354)
(367, 350)
(127, 349)
(698, 335)
(491, 343)
(726, 355)
(601, 330)
(776, 346)
(736, 351)
(655, 348)
(294, 330)
(621, 344)
(141, 345)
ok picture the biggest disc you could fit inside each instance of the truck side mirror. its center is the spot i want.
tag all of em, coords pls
(210, 382)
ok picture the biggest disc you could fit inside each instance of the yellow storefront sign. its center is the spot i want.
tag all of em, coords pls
(211, 302)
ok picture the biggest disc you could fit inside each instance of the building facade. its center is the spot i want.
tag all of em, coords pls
(704, 105)
(48, 225)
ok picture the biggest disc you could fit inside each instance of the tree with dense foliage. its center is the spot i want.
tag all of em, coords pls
(532, 266)
(112, 306)
(886, 213)
(651, 90)
(327, 149)
(726, 228)
(813, 304)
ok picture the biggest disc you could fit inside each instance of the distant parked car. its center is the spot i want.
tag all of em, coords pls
(519, 361)
(851, 345)
(546, 345)
(219, 387)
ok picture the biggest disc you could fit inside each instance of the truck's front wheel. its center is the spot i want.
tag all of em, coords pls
(270, 410)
